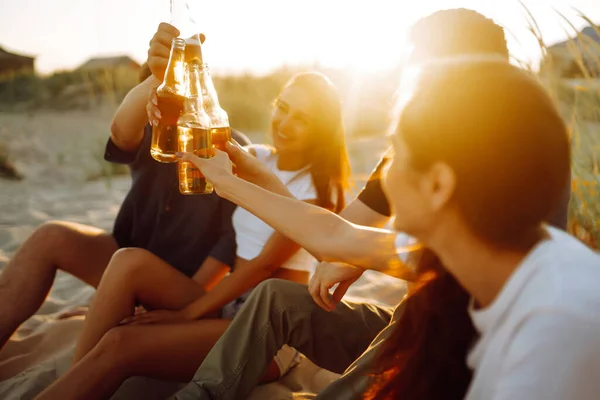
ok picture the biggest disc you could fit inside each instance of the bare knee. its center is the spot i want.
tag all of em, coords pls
(52, 234)
(128, 262)
(50, 242)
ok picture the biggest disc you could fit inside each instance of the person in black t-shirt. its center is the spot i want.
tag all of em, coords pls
(185, 231)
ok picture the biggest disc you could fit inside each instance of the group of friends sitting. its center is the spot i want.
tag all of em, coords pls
(216, 290)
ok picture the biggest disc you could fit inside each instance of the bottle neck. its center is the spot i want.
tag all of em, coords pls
(175, 73)
(193, 50)
(194, 81)
(194, 96)
(209, 92)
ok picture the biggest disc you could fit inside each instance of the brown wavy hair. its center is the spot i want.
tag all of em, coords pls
(329, 162)
(424, 357)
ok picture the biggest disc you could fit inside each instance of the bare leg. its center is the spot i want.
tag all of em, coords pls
(81, 250)
(133, 276)
(172, 352)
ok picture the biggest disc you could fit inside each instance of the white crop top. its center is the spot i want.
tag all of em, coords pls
(252, 233)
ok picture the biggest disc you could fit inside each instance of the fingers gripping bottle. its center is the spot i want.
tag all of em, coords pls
(171, 96)
(194, 136)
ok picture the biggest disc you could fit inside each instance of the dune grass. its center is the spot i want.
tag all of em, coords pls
(579, 101)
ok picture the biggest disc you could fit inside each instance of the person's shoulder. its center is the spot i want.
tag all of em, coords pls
(568, 256)
(567, 276)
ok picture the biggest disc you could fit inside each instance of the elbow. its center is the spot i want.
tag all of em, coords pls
(114, 130)
(116, 133)
(120, 139)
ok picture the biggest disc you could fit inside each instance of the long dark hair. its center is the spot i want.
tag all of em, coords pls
(329, 163)
(424, 357)
(498, 130)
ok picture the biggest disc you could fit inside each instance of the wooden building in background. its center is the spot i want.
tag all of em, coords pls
(13, 62)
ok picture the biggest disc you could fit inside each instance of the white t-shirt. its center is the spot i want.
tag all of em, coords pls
(252, 233)
(540, 338)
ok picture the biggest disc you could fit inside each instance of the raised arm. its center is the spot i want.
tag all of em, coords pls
(127, 129)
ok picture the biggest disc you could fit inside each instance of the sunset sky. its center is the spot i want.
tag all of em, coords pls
(259, 35)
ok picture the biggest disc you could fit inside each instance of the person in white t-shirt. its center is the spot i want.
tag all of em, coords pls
(481, 157)
(309, 157)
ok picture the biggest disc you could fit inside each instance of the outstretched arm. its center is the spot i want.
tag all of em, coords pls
(324, 234)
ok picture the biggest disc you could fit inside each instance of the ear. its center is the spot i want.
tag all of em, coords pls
(439, 185)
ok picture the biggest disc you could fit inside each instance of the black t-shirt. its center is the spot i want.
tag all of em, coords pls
(373, 197)
(372, 194)
(182, 230)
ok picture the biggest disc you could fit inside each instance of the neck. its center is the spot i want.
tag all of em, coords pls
(480, 268)
(291, 161)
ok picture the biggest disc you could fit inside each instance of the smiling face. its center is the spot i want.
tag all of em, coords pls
(292, 120)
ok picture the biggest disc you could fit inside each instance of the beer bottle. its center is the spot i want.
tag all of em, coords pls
(194, 136)
(193, 50)
(171, 96)
(219, 120)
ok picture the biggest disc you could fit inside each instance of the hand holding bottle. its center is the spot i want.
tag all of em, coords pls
(160, 47)
(218, 168)
(215, 169)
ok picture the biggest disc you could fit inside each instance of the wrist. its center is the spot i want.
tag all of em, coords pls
(225, 183)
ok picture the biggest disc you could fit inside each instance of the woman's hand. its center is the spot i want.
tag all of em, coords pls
(249, 168)
(325, 277)
(214, 169)
(157, 317)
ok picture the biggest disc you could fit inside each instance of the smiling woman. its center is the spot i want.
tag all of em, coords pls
(305, 135)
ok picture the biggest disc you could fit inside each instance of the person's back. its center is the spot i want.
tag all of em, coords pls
(548, 314)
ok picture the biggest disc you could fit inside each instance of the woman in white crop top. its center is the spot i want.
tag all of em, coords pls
(309, 157)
